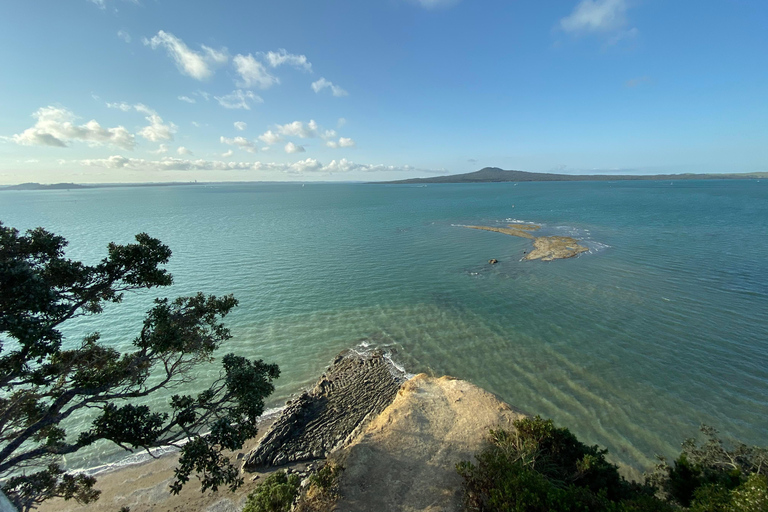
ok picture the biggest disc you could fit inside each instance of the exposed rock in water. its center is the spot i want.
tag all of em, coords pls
(546, 248)
(354, 389)
(520, 230)
(493, 261)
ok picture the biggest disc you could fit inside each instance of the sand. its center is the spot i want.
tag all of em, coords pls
(144, 488)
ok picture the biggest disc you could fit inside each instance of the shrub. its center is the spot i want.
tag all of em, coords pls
(275, 494)
(715, 477)
(539, 467)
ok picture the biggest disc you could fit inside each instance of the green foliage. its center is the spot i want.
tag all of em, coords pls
(275, 494)
(713, 477)
(327, 477)
(43, 384)
(539, 467)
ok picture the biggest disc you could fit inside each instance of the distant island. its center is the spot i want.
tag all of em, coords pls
(39, 186)
(496, 175)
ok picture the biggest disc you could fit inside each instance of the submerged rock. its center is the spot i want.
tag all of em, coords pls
(354, 389)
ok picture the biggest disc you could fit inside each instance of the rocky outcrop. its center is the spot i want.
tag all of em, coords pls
(354, 389)
(545, 248)
(548, 248)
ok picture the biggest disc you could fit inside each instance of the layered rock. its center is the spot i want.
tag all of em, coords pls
(354, 389)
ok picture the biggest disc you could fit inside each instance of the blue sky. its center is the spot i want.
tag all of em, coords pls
(167, 90)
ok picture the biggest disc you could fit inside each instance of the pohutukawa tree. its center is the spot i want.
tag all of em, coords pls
(45, 379)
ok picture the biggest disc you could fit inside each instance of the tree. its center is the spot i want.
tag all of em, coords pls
(45, 379)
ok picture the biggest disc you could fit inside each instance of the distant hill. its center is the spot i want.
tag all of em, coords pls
(496, 175)
(38, 186)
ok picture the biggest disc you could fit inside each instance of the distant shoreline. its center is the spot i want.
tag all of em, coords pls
(486, 175)
(496, 175)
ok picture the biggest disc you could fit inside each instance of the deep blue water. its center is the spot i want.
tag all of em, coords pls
(659, 328)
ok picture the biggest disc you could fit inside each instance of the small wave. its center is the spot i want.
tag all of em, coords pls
(518, 221)
(135, 459)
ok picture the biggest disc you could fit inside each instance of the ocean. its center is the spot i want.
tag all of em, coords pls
(661, 327)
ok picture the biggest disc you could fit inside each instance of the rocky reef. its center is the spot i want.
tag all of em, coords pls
(354, 389)
(545, 248)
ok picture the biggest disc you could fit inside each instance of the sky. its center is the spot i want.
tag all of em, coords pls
(99, 91)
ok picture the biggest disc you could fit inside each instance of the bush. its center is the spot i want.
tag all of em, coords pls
(714, 477)
(539, 467)
(275, 494)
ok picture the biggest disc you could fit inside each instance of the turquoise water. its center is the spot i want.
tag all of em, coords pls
(659, 328)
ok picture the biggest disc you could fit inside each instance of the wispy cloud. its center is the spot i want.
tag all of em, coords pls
(253, 73)
(198, 65)
(124, 35)
(607, 17)
(280, 57)
(321, 84)
(54, 126)
(239, 99)
(187, 99)
(634, 82)
(240, 126)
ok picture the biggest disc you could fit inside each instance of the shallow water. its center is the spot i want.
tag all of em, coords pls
(659, 328)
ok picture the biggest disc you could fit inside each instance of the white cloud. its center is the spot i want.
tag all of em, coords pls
(227, 154)
(240, 142)
(270, 137)
(275, 59)
(183, 151)
(187, 99)
(125, 107)
(239, 125)
(299, 129)
(124, 35)
(321, 84)
(157, 129)
(195, 64)
(293, 148)
(343, 142)
(341, 122)
(307, 166)
(55, 127)
(253, 73)
(165, 164)
(161, 149)
(596, 16)
(238, 99)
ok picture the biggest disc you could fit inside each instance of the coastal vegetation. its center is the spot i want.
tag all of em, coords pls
(541, 467)
(46, 380)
